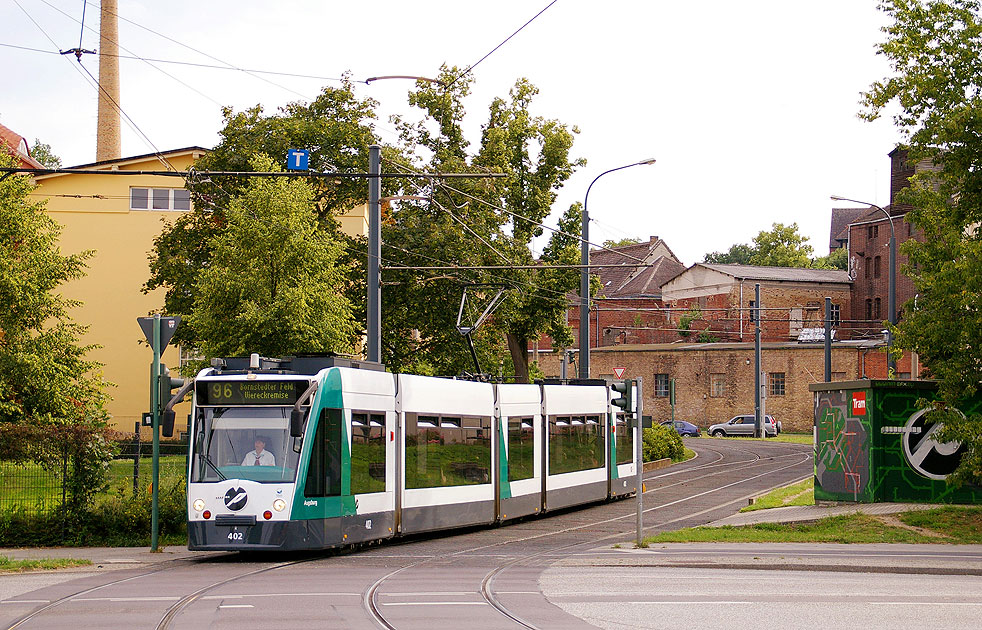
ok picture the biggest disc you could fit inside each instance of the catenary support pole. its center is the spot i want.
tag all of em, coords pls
(374, 323)
(758, 411)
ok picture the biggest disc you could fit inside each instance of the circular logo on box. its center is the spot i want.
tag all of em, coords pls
(235, 499)
(933, 459)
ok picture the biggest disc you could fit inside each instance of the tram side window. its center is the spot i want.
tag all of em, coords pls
(623, 441)
(324, 470)
(575, 443)
(521, 454)
(367, 452)
(447, 450)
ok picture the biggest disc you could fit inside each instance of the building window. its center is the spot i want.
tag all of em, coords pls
(775, 384)
(661, 385)
(869, 309)
(876, 267)
(876, 308)
(717, 385)
(160, 199)
(753, 310)
(869, 231)
(869, 264)
(876, 231)
(796, 320)
(836, 315)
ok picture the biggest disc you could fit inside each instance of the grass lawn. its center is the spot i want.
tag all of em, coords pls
(949, 524)
(42, 564)
(791, 438)
(801, 493)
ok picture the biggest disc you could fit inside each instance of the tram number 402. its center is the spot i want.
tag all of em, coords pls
(235, 536)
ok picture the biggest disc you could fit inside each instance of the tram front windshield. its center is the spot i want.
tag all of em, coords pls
(244, 443)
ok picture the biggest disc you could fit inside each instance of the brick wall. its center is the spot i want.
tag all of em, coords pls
(695, 367)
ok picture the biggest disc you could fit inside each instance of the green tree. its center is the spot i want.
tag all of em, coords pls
(610, 243)
(481, 222)
(45, 376)
(739, 254)
(336, 129)
(43, 154)
(781, 246)
(935, 51)
(837, 259)
(272, 285)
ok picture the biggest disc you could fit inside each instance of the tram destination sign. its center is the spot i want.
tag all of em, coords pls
(258, 392)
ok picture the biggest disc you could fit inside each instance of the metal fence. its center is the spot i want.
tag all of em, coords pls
(31, 488)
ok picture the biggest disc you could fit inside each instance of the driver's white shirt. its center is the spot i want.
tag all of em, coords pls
(265, 459)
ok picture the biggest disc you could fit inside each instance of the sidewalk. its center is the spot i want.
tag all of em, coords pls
(103, 557)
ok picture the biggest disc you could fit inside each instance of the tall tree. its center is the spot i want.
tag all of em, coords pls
(272, 285)
(481, 222)
(42, 153)
(336, 129)
(781, 246)
(45, 376)
(935, 51)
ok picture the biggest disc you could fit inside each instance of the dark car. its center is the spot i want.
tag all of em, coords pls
(683, 428)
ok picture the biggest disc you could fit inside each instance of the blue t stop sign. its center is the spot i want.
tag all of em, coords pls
(297, 159)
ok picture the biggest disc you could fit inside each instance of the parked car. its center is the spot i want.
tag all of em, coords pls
(683, 428)
(744, 425)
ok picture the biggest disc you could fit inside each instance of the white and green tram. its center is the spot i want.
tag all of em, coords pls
(311, 453)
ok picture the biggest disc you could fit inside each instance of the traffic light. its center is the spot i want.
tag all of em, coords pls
(626, 399)
(165, 383)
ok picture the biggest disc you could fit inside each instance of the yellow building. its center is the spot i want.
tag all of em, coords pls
(118, 217)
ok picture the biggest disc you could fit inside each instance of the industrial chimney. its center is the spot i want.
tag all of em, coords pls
(108, 143)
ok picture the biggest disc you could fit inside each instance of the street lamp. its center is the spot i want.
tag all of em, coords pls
(891, 286)
(584, 368)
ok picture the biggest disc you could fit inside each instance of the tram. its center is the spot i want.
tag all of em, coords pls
(312, 453)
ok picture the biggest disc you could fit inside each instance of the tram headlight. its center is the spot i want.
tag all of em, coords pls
(279, 505)
(198, 505)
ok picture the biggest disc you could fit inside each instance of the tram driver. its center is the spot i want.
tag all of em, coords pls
(260, 456)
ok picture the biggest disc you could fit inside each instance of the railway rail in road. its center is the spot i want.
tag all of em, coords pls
(477, 578)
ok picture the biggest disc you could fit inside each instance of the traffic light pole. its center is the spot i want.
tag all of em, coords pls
(155, 414)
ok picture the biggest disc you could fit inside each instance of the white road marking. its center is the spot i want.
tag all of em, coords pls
(237, 606)
(436, 604)
(125, 599)
(25, 601)
(245, 595)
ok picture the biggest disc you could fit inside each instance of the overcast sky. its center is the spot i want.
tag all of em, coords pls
(749, 107)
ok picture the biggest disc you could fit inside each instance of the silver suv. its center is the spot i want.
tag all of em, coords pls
(744, 425)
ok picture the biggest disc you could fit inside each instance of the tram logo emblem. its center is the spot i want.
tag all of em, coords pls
(924, 453)
(235, 499)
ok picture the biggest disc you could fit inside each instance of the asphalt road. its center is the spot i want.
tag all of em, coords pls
(513, 576)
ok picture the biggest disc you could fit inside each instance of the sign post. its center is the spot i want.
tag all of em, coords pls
(639, 457)
(158, 331)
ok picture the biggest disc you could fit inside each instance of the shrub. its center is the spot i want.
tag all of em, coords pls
(660, 442)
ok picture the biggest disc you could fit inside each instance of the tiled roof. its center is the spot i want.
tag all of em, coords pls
(841, 218)
(636, 269)
(786, 274)
(17, 146)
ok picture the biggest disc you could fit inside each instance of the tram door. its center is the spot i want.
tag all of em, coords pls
(322, 489)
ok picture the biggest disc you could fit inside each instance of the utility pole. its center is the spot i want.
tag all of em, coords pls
(374, 323)
(758, 403)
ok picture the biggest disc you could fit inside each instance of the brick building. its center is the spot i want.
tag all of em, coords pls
(714, 302)
(715, 381)
(869, 254)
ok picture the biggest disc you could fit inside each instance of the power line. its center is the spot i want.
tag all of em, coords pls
(474, 65)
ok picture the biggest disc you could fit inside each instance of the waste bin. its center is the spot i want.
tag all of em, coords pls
(873, 444)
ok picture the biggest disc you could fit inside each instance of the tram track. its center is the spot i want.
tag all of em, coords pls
(487, 590)
(520, 549)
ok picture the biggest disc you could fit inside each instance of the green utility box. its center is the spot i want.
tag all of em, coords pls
(874, 444)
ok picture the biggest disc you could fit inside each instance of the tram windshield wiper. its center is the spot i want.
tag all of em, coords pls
(210, 463)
